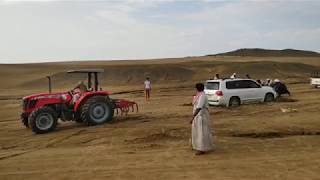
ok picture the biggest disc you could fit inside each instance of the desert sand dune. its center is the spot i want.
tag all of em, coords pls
(257, 141)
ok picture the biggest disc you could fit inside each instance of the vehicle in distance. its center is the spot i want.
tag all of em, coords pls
(315, 79)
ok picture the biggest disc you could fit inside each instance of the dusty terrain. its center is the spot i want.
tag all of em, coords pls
(252, 142)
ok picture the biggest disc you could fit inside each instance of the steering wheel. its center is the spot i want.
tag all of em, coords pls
(71, 93)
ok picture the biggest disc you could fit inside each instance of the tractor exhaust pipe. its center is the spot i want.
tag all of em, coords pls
(50, 88)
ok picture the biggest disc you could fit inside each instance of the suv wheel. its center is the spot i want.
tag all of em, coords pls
(269, 97)
(234, 102)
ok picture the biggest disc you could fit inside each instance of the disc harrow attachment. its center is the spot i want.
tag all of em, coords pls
(124, 106)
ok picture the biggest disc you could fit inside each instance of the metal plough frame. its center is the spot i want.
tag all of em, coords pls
(124, 106)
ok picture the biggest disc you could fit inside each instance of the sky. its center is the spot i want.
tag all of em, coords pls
(57, 30)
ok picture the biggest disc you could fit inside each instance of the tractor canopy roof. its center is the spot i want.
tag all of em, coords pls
(86, 71)
(90, 72)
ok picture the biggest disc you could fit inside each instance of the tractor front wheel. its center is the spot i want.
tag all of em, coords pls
(97, 110)
(24, 120)
(43, 120)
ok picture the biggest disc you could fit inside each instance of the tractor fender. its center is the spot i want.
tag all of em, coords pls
(86, 95)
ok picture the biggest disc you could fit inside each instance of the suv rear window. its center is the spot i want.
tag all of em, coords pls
(212, 85)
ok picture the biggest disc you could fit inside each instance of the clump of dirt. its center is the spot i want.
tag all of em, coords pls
(148, 146)
(286, 99)
(129, 92)
(261, 135)
(164, 135)
(288, 110)
(268, 135)
(186, 104)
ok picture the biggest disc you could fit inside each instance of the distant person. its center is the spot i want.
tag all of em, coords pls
(147, 88)
(259, 82)
(268, 82)
(275, 81)
(233, 76)
(280, 88)
(217, 76)
(248, 76)
(202, 140)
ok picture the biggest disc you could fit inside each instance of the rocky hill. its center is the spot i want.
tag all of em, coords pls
(257, 52)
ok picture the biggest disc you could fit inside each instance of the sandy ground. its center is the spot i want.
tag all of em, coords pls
(256, 141)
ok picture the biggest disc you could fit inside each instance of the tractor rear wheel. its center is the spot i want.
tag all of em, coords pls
(43, 120)
(97, 110)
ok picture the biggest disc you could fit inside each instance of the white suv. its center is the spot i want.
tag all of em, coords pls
(233, 92)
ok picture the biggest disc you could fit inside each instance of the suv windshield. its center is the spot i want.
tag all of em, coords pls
(212, 85)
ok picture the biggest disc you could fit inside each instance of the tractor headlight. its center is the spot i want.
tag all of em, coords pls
(32, 103)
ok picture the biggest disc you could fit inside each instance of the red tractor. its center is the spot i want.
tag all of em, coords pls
(93, 106)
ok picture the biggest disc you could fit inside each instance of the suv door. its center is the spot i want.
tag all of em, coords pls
(238, 88)
(255, 94)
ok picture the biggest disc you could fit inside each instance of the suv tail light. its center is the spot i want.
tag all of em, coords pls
(219, 93)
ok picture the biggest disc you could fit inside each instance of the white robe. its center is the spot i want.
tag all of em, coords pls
(201, 131)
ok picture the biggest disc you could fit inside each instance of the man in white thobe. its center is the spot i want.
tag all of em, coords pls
(201, 132)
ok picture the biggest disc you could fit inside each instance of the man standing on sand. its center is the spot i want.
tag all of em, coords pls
(202, 140)
(147, 88)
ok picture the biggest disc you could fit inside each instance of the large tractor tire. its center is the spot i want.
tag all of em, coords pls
(97, 110)
(24, 120)
(43, 120)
